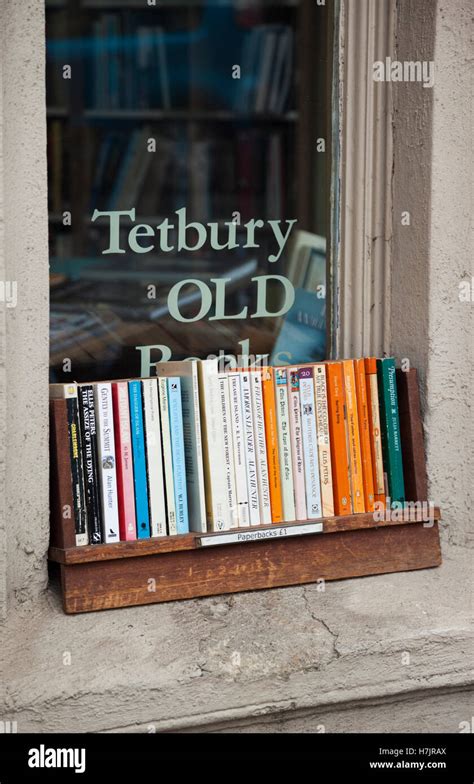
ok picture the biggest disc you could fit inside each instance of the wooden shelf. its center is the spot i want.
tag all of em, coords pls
(183, 115)
(192, 541)
(175, 115)
(98, 577)
(54, 112)
(270, 563)
(138, 4)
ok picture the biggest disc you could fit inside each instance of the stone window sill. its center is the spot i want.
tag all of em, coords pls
(262, 659)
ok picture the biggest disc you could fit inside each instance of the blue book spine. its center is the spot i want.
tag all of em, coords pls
(139, 459)
(178, 455)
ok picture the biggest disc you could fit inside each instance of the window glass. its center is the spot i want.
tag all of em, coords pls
(189, 172)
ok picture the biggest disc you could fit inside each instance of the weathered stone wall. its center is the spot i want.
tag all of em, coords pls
(25, 257)
(433, 181)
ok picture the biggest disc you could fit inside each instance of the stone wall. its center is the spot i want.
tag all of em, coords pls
(25, 256)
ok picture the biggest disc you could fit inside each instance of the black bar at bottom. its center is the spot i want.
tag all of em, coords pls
(141, 755)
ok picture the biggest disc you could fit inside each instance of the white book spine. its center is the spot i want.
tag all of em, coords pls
(286, 467)
(228, 450)
(324, 445)
(296, 438)
(156, 485)
(107, 469)
(310, 444)
(167, 456)
(252, 479)
(261, 447)
(218, 512)
(265, 70)
(240, 452)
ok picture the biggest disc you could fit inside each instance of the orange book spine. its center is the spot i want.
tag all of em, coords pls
(374, 429)
(364, 434)
(352, 422)
(271, 431)
(337, 431)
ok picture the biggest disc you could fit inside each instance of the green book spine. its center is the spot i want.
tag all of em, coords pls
(390, 427)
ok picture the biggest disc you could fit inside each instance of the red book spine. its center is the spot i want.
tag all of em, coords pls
(123, 456)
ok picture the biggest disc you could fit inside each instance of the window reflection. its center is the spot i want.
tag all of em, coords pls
(205, 113)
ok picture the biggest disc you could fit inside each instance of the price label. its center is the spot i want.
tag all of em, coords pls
(276, 532)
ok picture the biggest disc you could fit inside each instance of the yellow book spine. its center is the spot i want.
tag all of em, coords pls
(353, 438)
(273, 456)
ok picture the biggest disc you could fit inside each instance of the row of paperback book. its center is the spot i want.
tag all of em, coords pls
(267, 68)
(129, 65)
(216, 175)
(145, 66)
(199, 449)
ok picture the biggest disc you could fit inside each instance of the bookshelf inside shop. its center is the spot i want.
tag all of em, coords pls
(227, 149)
